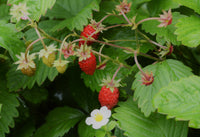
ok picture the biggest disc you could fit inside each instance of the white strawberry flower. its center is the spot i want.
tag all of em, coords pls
(46, 53)
(98, 117)
(19, 11)
(23, 63)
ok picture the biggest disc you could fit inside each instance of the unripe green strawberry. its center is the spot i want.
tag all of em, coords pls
(48, 55)
(49, 61)
(28, 71)
(26, 64)
(61, 65)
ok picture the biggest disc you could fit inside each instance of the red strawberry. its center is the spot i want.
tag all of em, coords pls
(88, 31)
(87, 60)
(108, 98)
(88, 65)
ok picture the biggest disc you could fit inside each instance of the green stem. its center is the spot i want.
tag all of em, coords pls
(48, 36)
(38, 33)
(109, 58)
(151, 41)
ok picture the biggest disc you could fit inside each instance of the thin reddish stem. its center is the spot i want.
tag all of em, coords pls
(115, 74)
(138, 65)
(29, 46)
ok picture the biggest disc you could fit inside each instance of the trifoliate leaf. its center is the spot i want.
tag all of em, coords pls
(188, 31)
(135, 124)
(164, 72)
(59, 121)
(181, 99)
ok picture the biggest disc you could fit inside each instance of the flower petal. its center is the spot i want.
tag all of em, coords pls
(89, 120)
(105, 112)
(94, 112)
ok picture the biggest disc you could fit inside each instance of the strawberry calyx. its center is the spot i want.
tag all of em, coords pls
(111, 84)
(83, 53)
(147, 79)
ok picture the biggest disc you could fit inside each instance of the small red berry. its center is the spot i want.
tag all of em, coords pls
(108, 98)
(88, 65)
(88, 31)
(171, 49)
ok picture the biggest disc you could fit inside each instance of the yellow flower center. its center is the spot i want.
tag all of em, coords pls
(98, 117)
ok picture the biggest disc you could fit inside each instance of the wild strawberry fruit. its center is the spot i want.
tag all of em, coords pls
(27, 66)
(108, 98)
(29, 71)
(92, 31)
(49, 60)
(61, 65)
(48, 55)
(171, 49)
(87, 60)
(109, 93)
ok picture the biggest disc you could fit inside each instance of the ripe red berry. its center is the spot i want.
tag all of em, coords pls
(88, 65)
(88, 31)
(108, 98)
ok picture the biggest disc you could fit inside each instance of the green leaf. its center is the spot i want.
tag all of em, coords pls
(193, 4)
(75, 13)
(35, 95)
(59, 121)
(188, 31)
(180, 99)
(163, 34)
(9, 39)
(8, 111)
(164, 72)
(36, 8)
(85, 130)
(4, 12)
(41, 74)
(156, 6)
(136, 124)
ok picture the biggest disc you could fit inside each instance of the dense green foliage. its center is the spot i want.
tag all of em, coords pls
(50, 104)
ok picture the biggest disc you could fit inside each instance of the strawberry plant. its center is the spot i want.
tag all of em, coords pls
(99, 68)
